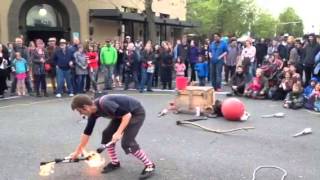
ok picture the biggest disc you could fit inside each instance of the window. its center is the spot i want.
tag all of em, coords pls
(164, 15)
(43, 15)
(129, 9)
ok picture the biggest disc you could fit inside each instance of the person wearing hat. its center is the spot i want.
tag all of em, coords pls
(63, 60)
(108, 59)
(51, 71)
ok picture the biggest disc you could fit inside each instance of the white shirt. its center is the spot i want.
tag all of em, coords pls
(249, 52)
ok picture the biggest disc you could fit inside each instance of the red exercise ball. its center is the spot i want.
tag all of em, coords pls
(232, 109)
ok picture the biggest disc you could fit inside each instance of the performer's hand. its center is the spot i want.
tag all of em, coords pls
(116, 136)
(74, 155)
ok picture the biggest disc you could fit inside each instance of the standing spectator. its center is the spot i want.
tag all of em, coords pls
(63, 59)
(202, 70)
(311, 50)
(39, 57)
(51, 71)
(108, 59)
(232, 58)
(273, 47)
(81, 67)
(93, 59)
(250, 52)
(262, 50)
(205, 54)
(73, 48)
(183, 50)
(193, 56)
(131, 67)
(176, 48)
(119, 66)
(283, 50)
(3, 72)
(166, 63)
(147, 67)
(156, 66)
(295, 57)
(20, 67)
(23, 50)
(218, 51)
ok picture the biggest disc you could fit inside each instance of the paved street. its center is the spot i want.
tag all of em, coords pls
(34, 130)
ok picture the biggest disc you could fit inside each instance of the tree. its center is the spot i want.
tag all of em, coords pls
(264, 26)
(151, 21)
(224, 16)
(290, 22)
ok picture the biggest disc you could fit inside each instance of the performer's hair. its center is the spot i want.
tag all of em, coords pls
(79, 101)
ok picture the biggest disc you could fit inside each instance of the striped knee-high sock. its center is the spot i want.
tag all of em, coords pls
(111, 151)
(140, 154)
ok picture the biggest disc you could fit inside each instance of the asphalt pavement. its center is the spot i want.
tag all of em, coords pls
(41, 129)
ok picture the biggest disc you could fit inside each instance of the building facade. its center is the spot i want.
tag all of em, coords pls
(90, 19)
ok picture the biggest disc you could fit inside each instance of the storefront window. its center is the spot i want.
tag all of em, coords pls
(43, 15)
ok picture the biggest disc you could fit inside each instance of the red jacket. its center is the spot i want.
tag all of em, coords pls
(92, 60)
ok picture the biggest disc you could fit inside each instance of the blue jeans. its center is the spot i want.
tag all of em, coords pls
(108, 70)
(216, 75)
(62, 76)
(146, 78)
(80, 83)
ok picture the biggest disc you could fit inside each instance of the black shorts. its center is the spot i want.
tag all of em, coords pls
(128, 141)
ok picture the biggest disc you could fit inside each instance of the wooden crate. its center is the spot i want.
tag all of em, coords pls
(195, 96)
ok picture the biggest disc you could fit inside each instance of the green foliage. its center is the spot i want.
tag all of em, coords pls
(290, 22)
(225, 16)
(239, 17)
(264, 26)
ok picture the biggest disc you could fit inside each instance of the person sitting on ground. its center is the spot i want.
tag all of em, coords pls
(238, 82)
(258, 87)
(294, 99)
(316, 94)
(284, 87)
(202, 71)
(309, 89)
(295, 76)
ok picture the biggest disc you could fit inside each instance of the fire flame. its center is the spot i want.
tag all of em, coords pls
(47, 169)
(95, 159)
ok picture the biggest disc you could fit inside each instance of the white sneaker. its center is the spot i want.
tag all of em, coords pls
(71, 95)
(58, 95)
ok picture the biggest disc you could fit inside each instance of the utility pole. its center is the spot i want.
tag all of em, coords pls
(151, 35)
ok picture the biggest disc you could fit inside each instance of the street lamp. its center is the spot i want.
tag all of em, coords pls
(42, 11)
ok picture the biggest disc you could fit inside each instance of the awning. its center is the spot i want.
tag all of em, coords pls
(115, 14)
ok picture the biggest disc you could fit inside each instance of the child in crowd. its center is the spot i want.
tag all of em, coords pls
(309, 89)
(317, 98)
(92, 58)
(179, 67)
(202, 71)
(294, 99)
(238, 82)
(257, 87)
(20, 67)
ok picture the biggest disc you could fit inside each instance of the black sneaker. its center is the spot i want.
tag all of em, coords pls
(147, 172)
(110, 167)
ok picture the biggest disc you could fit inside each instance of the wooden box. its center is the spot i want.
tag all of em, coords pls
(195, 96)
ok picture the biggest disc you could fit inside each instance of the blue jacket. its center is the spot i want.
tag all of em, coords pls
(308, 90)
(202, 69)
(61, 59)
(216, 51)
(193, 54)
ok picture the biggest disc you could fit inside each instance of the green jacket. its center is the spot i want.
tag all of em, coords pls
(108, 55)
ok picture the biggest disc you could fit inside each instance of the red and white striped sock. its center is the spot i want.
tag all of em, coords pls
(111, 151)
(140, 154)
